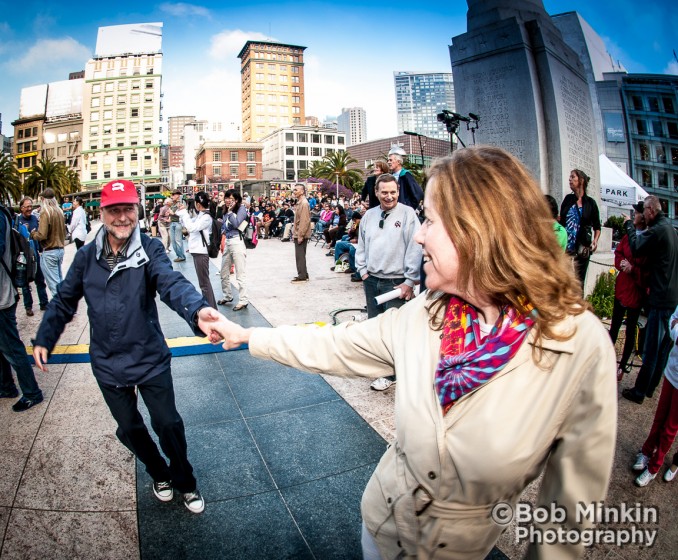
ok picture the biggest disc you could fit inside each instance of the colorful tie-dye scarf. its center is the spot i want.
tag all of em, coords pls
(465, 362)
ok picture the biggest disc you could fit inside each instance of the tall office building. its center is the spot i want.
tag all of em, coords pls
(420, 96)
(121, 106)
(176, 139)
(353, 122)
(272, 82)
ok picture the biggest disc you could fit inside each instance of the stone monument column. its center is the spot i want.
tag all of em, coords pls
(513, 69)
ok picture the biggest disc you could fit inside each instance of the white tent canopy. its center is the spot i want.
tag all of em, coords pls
(617, 189)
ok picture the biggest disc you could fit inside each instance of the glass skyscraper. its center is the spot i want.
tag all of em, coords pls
(420, 96)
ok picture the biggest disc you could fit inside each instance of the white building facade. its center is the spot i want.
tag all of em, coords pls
(122, 106)
(290, 151)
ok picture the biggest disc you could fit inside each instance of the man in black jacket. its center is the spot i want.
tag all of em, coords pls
(659, 243)
(411, 193)
(119, 275)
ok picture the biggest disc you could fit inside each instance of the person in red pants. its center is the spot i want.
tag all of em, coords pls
(665, 424)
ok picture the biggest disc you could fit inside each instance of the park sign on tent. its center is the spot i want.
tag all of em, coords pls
(617, 189)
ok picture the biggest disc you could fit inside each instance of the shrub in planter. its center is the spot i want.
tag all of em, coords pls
(602, 296)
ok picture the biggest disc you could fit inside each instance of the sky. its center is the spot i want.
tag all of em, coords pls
(353, 47)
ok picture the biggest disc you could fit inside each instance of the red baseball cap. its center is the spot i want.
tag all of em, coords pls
(119, 192)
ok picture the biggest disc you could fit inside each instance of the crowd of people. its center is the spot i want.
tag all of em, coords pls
(502, 338)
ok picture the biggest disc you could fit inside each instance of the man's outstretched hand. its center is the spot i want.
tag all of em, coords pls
(219, 329)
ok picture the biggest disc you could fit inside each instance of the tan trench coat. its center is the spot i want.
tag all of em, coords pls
(432, 493)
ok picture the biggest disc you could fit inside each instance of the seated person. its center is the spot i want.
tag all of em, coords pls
(267, 220)
(348, 244)
(337, 226)
(287, 220)
(326, 216)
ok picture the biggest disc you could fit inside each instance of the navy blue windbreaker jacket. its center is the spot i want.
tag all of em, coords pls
(127, 346)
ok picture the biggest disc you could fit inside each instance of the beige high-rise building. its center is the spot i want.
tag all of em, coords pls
(272, 82)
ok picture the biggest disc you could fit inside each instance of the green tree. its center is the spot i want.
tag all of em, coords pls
(336, 164)
(50, 174)
(315, 170)
(10, 184)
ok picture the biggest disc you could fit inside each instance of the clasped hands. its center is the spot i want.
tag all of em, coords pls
(219, 330)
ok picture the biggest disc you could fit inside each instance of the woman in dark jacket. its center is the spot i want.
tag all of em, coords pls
(368, 190)
(579, 215)
(337, 226)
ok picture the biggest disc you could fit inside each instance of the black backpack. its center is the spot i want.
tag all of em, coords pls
(215, 239)
(19, 244)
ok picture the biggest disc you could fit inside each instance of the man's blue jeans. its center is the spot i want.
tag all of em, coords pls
(40, 287)
(345, 247)
(655, 352)
(50, 263)
(13, 353)
(177, 240)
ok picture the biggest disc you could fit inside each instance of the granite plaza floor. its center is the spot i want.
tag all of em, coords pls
(281, 456)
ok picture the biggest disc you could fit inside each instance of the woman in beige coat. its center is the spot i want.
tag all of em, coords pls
(502, 372)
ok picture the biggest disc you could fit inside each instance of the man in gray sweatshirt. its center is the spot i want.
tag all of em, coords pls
(387, 257)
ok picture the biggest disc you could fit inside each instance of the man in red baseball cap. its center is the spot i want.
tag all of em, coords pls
(119, 274)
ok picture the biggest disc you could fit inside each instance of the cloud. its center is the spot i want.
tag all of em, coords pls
(228, 43)
(671, 68)
(180, 9)
(48, 53)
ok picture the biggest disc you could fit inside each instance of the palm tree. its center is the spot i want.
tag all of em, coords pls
(314, 170)
(10, 184)
(335, 165)
(50, 174)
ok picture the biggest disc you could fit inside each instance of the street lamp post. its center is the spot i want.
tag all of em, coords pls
(337, 174)
(421, 146)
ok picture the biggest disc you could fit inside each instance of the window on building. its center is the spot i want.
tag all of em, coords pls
(20, 133)
(672, 128)
(134, 112)
(251, 170)
(289, 136)
(120, 158)
(149, 84)
(216, 170)
(315, 152)
(302, 164)
(641, 126)
(653, 102)
(122, 86)
(302, 151)
(657, 129)
(661, 154)
(148, 111)
(341, 140)
(136, 84)
(646, 178)
(108, 100)
(289, 150)
(121, 173)
(234, 171)
(107, 174)
(637, 102)
(289, 175)
(93, 176)
(250, 156)
(668, 105)
(234, 156)
(302, 137)
(96, 88)
(289, 164)
(216, 156)
(644, 151)
(108, 115)
(295, 89)
(329, 151)
(134, 156)
(96, 101)
(329, 139)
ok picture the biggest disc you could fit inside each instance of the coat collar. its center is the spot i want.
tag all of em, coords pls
(136, 254)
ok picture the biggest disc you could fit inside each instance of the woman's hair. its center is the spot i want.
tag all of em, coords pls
(78, 199)
(340, 210)
(382, 165)
(583, 177)
(553, 205)
(502, 229)
(49, 204)
(237, 196)
(203, 199)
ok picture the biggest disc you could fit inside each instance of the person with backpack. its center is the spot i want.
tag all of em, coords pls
(78, 226)
(234, 250)
(199, 238)
(29, 221)
(12, 349)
